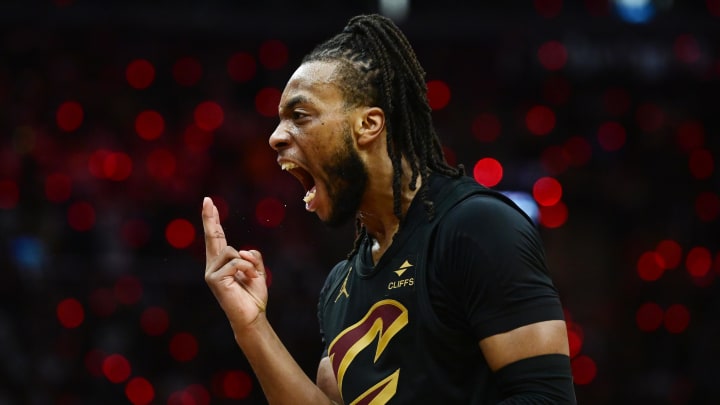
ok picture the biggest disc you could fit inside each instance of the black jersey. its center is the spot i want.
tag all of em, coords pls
(406, 330)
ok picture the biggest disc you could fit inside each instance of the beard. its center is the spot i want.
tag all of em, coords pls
(347, 179)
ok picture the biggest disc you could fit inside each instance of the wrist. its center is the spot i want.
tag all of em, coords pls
(250, 331)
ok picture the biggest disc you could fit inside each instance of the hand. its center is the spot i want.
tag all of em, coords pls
(236, 278)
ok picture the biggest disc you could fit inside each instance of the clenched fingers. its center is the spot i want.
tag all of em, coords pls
(254, 257)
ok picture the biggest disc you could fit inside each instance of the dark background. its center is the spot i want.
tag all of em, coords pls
(102, 298)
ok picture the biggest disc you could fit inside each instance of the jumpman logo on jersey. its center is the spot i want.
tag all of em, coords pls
(343, 288)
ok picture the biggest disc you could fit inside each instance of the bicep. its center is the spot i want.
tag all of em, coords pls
(536, 339)
(327, 382)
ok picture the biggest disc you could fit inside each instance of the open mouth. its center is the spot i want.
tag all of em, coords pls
(305, 178)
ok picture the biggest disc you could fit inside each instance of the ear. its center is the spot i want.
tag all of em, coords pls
(369, 126)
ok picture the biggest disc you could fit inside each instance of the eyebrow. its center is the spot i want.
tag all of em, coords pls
(295, 101)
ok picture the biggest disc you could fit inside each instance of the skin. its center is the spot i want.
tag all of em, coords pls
(313, 119)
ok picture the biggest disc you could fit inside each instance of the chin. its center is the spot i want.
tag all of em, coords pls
(337, 221)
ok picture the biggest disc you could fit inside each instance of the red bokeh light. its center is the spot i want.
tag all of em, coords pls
(241, 67)
(698, 261)
(611, 136)
(116, 368)
(677, 318)
(128, 290)
(273, 54)
(616, 101)
(701, 163)
(183, 347)
(187, 71)
(69, 116)
(267, 100)
(236, 384)
(117, 166)
(58, 187)
(139, 391)
(548, 8)
(81, 216)
(707, 206)
(161, 164)
(650, 117)
(488, 172)
(686, 49)
(438, 94)
(9, 194)
(650, 266)
(149, 125)
(135, 233)
(553, 216)
(649, 317)
(671, 253)
(583, 370)
(70, 313)
(208, 115)
(154, 321)
(577, 150)
(486, 127)
(540, 120)
(140, 73)
(575, 342)
(196, 140)
(102, 302)
(96, 162)
(270, 212)
(690, 135)
(180, 233)
(552, 55)
(547, 191)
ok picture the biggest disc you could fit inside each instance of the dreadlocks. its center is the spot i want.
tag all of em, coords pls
(378, 67)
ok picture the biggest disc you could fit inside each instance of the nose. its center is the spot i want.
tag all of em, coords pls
(279, 139)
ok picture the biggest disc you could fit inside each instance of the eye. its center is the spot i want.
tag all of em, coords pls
(297, 115)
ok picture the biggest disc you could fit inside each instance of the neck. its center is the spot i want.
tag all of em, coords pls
(378, 215)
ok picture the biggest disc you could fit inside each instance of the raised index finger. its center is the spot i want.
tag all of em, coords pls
(214, 235)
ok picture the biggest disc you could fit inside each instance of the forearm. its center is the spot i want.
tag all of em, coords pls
(281, 378)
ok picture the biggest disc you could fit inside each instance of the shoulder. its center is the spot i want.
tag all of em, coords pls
(485, 212)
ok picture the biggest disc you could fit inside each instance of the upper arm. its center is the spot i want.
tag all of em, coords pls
(490, 263)
(494, 264)
(536, 339)
(327, 382)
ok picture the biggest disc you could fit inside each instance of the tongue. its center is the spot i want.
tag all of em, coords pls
(309, 197)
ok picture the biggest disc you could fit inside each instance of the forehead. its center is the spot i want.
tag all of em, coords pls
(313, 82)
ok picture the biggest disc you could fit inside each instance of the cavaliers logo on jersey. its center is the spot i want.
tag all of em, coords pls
(382, 322)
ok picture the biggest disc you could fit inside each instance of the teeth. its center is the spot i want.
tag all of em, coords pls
(288, 165)
(309, 196)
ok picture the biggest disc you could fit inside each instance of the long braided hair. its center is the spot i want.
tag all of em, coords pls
(378, 67)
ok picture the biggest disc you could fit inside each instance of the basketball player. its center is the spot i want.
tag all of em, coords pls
(444, 298)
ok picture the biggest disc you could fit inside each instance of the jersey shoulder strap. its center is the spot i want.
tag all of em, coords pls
(464, 187)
